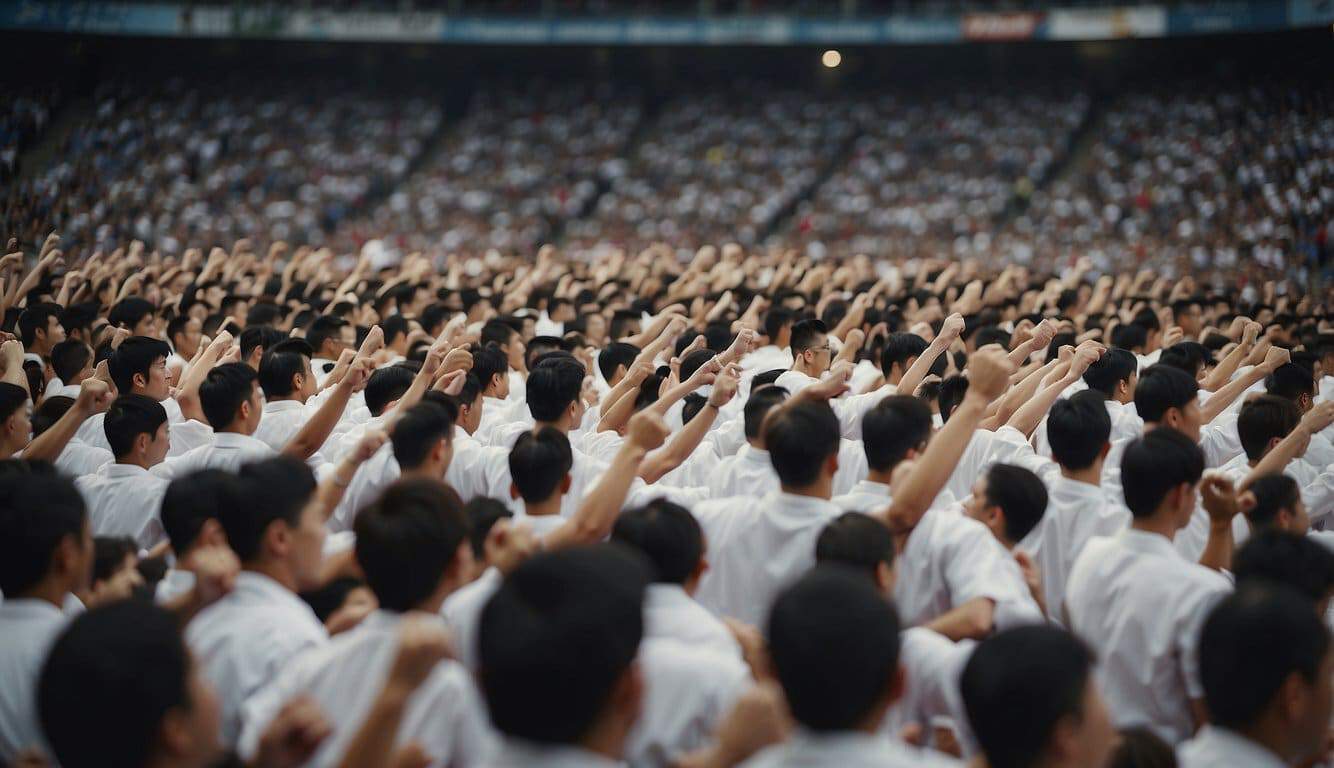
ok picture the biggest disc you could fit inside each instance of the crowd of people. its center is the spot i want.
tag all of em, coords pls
(750, 508)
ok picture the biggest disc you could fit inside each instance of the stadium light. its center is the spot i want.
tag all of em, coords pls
(831, 59)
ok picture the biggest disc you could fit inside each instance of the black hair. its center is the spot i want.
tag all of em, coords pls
(223, 391)
(136, 354)
(667, 534)
(194, 499)
(327, 599)
(393, 327)
(1130, 336)
(269, 491)
(34, 318)
(262, 336)
(1107, 372)
(539, 347)
(1189, 356)
(834, 643)
(1252, 642)
(128, 313)
(900, 348)
(276, 369)
(109, 553)
(1140, 747)
(129, 416)
(322, 329)
(1273, 493)
(49, 412)
(417, 431)
(857, 541)
(488, 361)
(1291, 559)
(1153, 465)
(483, 513)
(1017, 687)
(553, 385)
(385, 386)
(1263, 419)
(894, 426)
(615, 355)
(497, 332)
(415, 521)
(12, 398)
(763, 398)
(68, 358)
(1161, 388)
(107, 683)
(538, 462)
(1078, 428)
(805, 333)
(39, 512)
(550, 656)
(800, 438)
(1290, 381)
(951, 394)
(774, 321)
(1020, 495)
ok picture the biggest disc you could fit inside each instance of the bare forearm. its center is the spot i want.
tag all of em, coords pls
(912, 378)
(618, 414)
(1223, 372)
(1218, 547)
(679, 448)
(1030, 414)
(375, 738)
(970, 621)
(596, 515)
(48, 445)
(931, 471)
(1223, 398)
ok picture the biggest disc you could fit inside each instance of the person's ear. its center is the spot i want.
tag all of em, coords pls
(142, 441)
(627, 694)
(1294, 697)
(831, 464)
(139, 380)
(211, 534)
(896, 684)
(514, 491)
(1104, 450)
(565, 483)
(277, 538)
(298, 380)
(174, 734)
(244, 410)
(884, 576)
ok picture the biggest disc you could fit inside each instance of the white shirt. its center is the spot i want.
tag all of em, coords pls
(1141, 607)
(1217, 747)
(186, 434)
(767, 358)
(519, 754)
(870, 497)
(228, 452)
(242, 641)
(755, 548)
(1076, 512)
(463, 612)
(78, 458)
(845, 749)
(932, 666)
(951, 559)
(687, 691)
(671, 614)
(445, 715)
(281, 421)
(29, 627)
(371, 478)
(125, 500)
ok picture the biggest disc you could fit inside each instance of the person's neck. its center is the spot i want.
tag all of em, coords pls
(1161, 523)
(550, 506)
(8, 449)
(894, 376)
(800, 366)
(881, 476)
(51, 589)
(559, 425)
(755, 443)
(134, 461)
(289, 399)
(1092, 474)
(820, 489)
(236, 429)
(424, 471)
(1273, 737)
(276, 570)
(608, 737)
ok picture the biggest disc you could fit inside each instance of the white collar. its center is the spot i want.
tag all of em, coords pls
(1216, 741)
(281, 406)
(234, 440)
(1147, 543)
(116, 470)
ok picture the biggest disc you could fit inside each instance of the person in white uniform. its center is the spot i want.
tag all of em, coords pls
(1269, 702)
(124, 498)
(1033, 701)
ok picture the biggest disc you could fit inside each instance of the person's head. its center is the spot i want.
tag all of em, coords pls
(556, 667)
(1078, 430)
(255, 340)
(115, 575)
(46, 545)
(49, 412)
(895, 429)
(540, 465)
(951, 394)
(119, 688)
(899, 353)
(136, 429)
(834, 644)
(810, 347)
(1263, 422)
(1190, 356)
(72, 361)
(470, 404)
(137, 315)
(184, 333)
(1114, 375)
(1158, 475)
(423, 439)
(1291, 559)
(1131, 337)
(483, 513)
(762, 400)
(1009, 500)
(395, 329)
(412, 545)
(1168, 396)
(278, 526)
(386, 386)
(285, 373)
(15, 418)
(778, 326)
(192, 509)
(803, 440)
(669, 536)
(230, 400)
(615, 359)
(1278, 504)
(1140, 747)
(862, 543)
(492, 369)
(40, 329)
(329, 336)
(1265, 663)
(507, 339)
(1031, 700)
(139, 365)
(553, 390)
(1291, 381)
(1189, 315)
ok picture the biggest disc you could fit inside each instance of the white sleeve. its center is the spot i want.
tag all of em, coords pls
(977, 566)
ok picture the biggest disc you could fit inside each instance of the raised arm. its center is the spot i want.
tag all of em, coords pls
(1223, 398)
(1223, 372)
(1030, 414)
(317, 429)
(684, 443)
(1292, 446)
(94, 397)
(912, 378)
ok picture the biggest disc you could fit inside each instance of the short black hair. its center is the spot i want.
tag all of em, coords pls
(857, 541)
(386, 385)
(269, 491)
(553, 385)
(762, 400)
(48, 413)
(1130, 336)
(894, 426)
(538, 462)
(1140, 747)
(276, 369)
(417, 431)
(766, 378)
(1273, 493)
(1155, 464)
(129, 416)
(136, 354)
(177, 325)
(415, 522)
(615, 355)
(900, 348)
(223, 391)
(805, 333)
(483, 512)
(667, 534)
(109, 553)
(1107, 372)
(194, 499)
(1291, 559)
(1252, 642)
(488, 361)
(34, 318)
(108, 681)
(68, 358)
(1020, 495)
(393, 327)
(12, 398)
(1161, 388)
(1078, 428)
(127, 313)
(322, 329)
(497, 332)
(1262, 419)
(550, 656)
(39, 512)
(1189, 356)
(951, 394)
(775, 320)
(262, 336)
(834, 642)
(800, 438)
(1018, 685)
(1290, 381)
